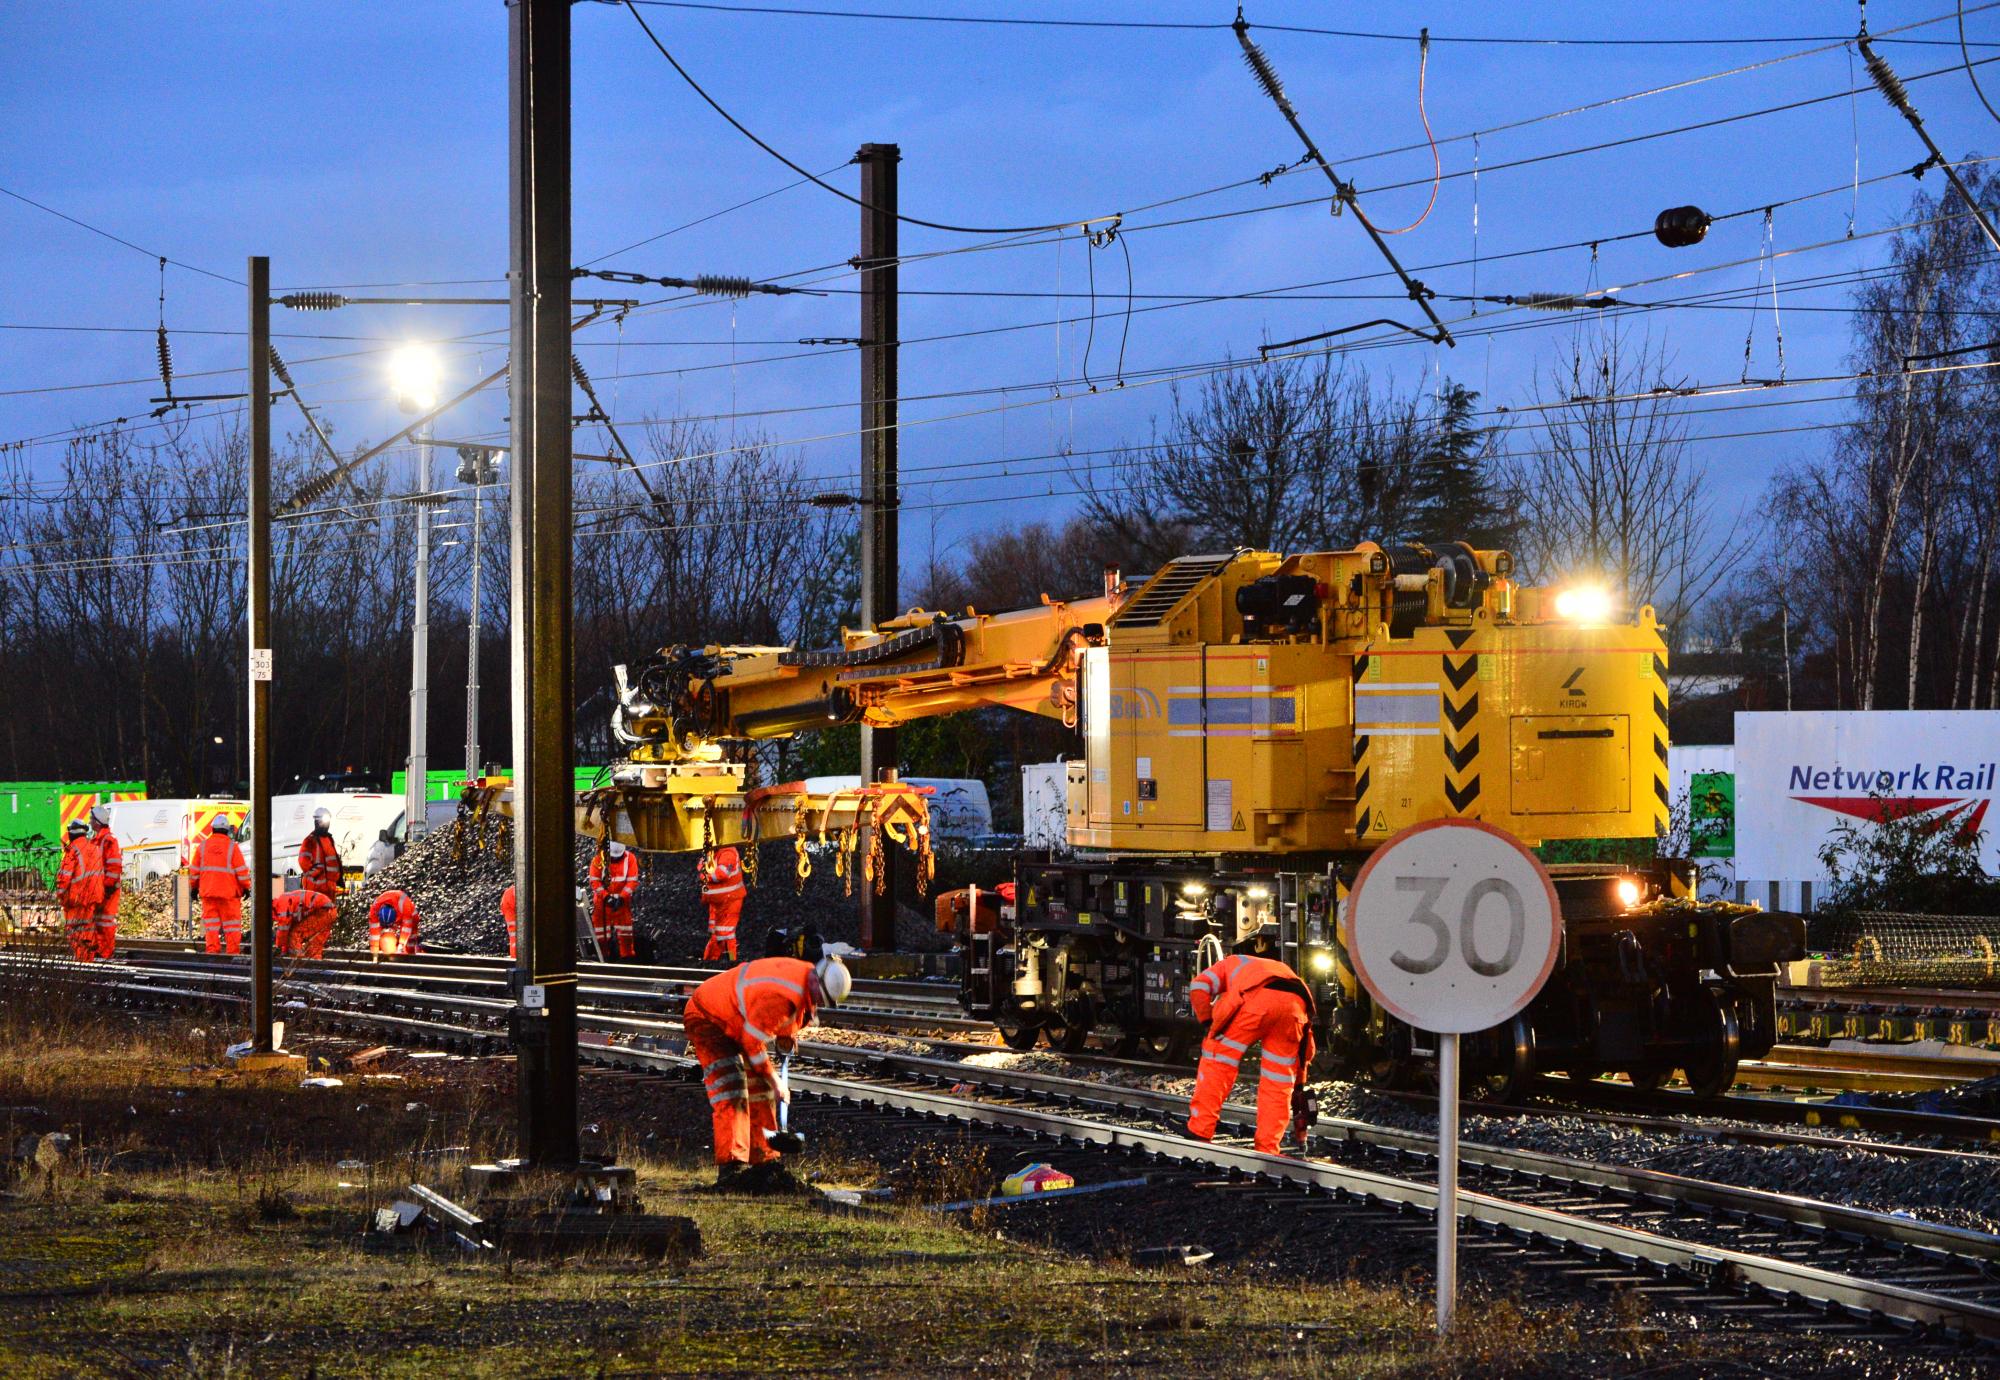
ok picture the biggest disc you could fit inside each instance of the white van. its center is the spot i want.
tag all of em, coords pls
(149, 832)
(359, 820)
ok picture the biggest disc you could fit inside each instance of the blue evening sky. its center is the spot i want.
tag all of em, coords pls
(364, 143)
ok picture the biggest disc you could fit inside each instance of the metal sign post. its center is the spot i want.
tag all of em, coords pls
(1453, 928)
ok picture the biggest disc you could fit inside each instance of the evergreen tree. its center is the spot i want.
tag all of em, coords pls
(1459, 492)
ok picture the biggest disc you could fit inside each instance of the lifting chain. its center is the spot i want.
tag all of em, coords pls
(749, 851)
(803, 868)
(876, 865)
(926, 858)
(843, 858)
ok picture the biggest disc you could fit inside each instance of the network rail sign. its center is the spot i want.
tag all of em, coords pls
(1800, 775)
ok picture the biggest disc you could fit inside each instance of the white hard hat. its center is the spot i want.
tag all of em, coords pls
(220, 825)
(831, 982)
(322, 816)
(100, 815)
(615, 849)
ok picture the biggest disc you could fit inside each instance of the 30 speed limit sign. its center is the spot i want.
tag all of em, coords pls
(1452, 926)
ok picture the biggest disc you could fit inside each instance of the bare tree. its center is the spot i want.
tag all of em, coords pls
(1611, 490)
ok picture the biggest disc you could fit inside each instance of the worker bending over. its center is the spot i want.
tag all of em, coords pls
(722, 892)
(614, 878)
(301, 921)
(319, 857)
(114, 880)
(222, 880)
(392, 924)
(80, 888)
(1248, 1001)
(732, 1022)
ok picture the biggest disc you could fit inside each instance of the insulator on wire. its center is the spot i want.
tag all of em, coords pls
(313, 301)
(1261, 68)
(833, 501)
(1887, 82)
(1561, 301)
(722, 285)
(278, 368)
(576, 371)
(166, 351)
(1677, 227)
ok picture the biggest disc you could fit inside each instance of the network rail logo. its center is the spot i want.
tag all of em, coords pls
(1949, 793)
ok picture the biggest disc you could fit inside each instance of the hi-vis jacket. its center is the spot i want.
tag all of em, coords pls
(1219, 990)
(756, 1003)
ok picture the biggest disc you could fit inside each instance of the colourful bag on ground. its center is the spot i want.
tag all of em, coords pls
(1036, 1178)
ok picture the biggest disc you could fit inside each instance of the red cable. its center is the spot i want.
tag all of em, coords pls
(1437, 164)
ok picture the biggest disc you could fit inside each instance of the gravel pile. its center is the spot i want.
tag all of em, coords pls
(147, 912)
(457, 880)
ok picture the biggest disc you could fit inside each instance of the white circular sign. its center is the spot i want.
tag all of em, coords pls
(1452, 926)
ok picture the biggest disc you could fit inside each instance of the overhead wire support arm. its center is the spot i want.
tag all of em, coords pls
(1893, 91)
(1343, 192)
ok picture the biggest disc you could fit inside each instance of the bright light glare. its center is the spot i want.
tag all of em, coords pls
(1584, 604)
(415, 373)
(1322, 962)
(1193, 889)
(1258, 893)
(1629, 892)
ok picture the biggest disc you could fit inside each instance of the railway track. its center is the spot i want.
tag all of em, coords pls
(1739, 1251)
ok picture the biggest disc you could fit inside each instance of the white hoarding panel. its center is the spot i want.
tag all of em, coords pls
(1799, 775)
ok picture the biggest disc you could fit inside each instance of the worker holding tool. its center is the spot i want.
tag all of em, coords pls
(319, 857)
(114, 880)
(733, 1021)
(722, 892)
(222, 880)
(301, 921)
(614, 878)
(80, 888)
(392, 924)
(1248, 1001)
(509, 914)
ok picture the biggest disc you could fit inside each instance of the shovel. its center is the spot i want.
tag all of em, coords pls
(785, 1140)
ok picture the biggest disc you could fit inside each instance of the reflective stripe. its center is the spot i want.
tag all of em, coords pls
(1205, 982)
(1239, 1048)
(1280, 1060)
(758, 1059)
(1277, 1077)
(1230, 1059)
(717, 1099)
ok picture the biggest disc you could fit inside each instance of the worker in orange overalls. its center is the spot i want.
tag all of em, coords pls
(392, 924)
(222, 880)
(732, 1022)
(301, 921)
(509, 913)
(80, 888)
(614, 878)
(722, 892)
(319, 857)
(114, 880)
(1249, 1001)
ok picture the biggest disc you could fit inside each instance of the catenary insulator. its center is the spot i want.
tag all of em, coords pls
(722, 285)
(313, 301)
(278, 368)
(166, 352)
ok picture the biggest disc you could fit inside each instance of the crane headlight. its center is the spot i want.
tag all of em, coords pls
(1630, 893)
(1584, 604)
(1322, 962)
(1258, 893)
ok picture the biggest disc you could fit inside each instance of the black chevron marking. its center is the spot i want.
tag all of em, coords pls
(1360, 747)
(1461, 798)
(1361, 785)
(1361, 824)
(1360, 666)
(1660, 747)
(1462, 716)
(1660, 789)
(1458, 675)
(1660, 667)
(1659, 709)
(1461, 757)
(1458, 636)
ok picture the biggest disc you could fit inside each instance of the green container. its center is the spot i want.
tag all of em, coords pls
(445, 785)
(32, 819)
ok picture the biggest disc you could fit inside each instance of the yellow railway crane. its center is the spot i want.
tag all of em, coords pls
(1252, 725)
